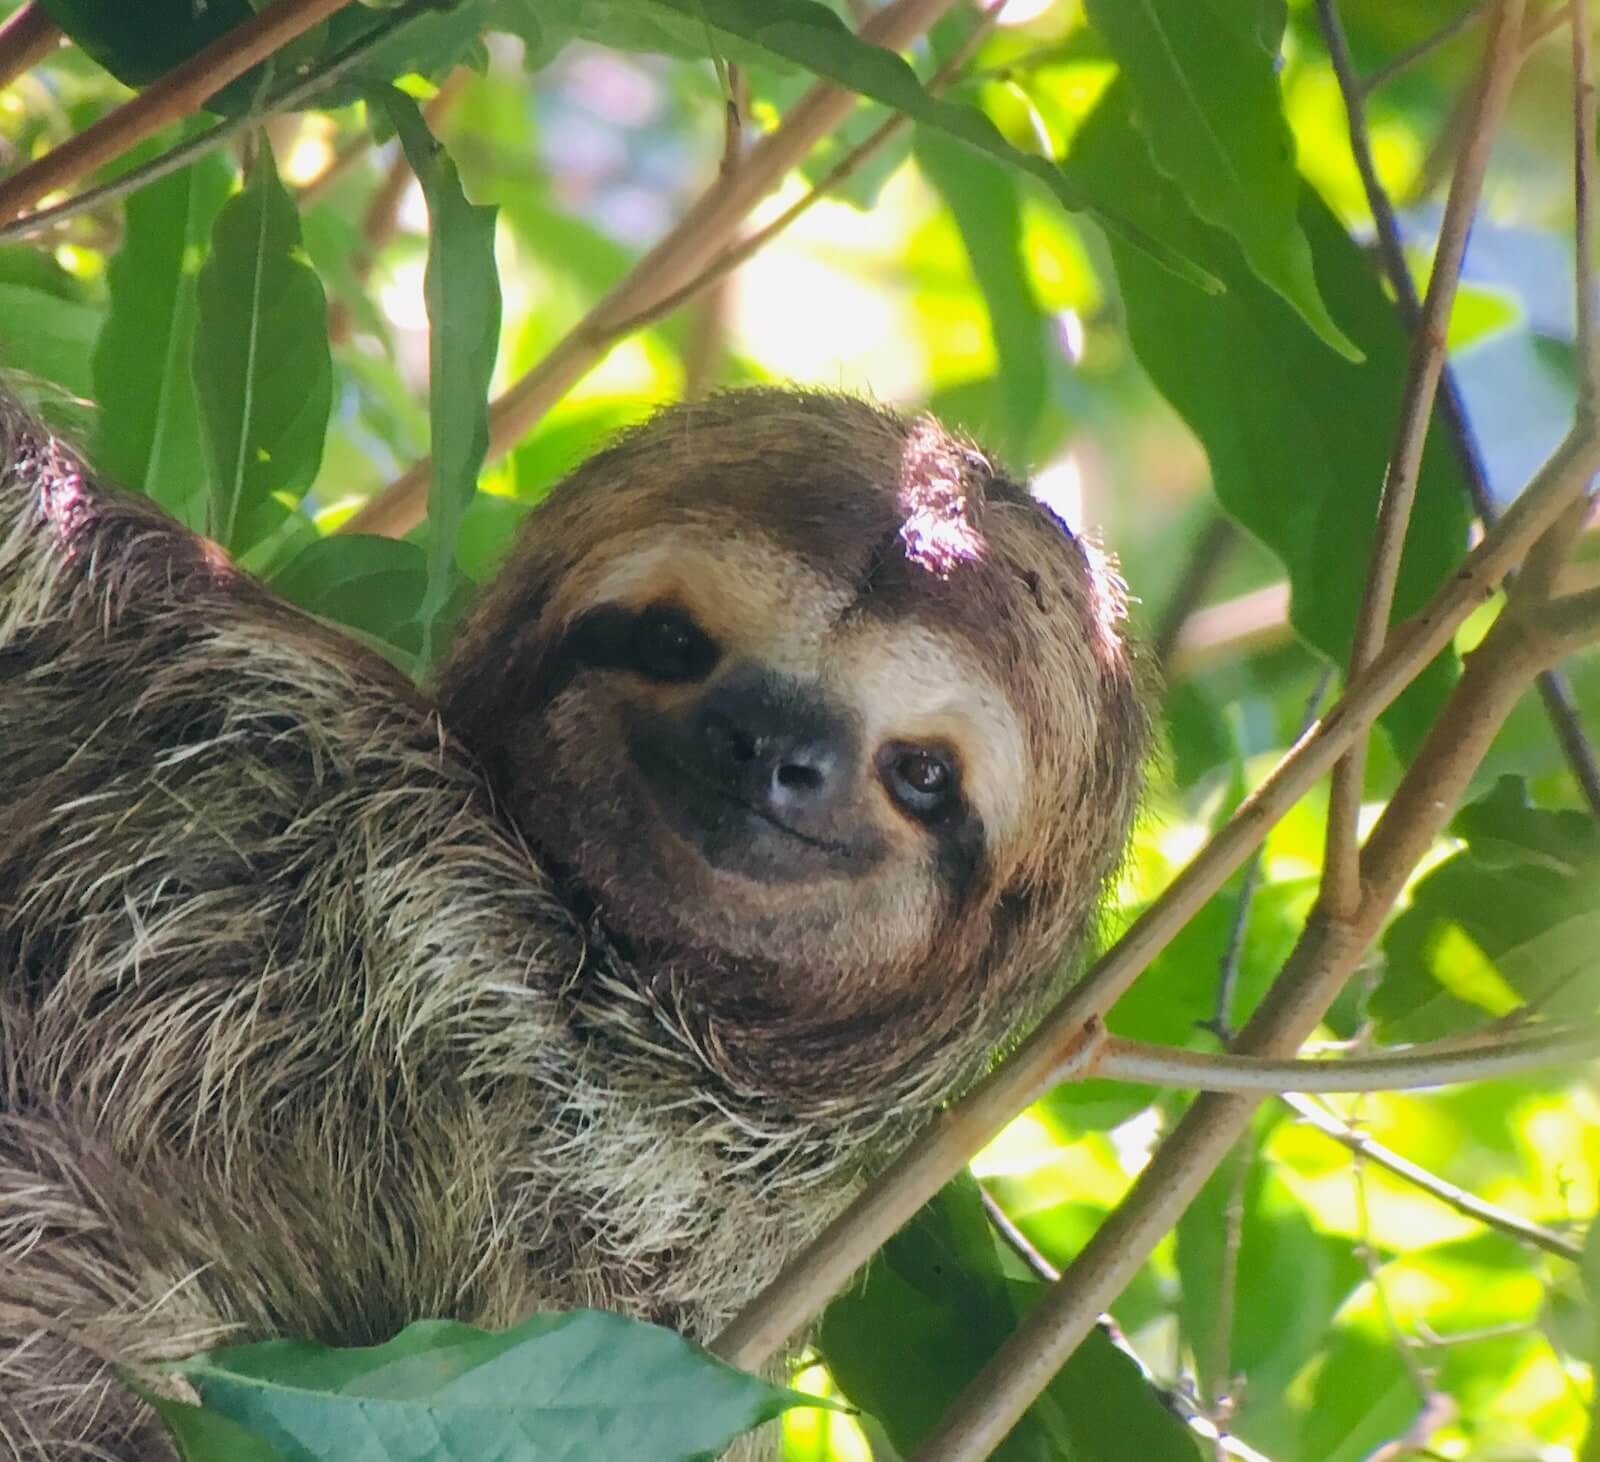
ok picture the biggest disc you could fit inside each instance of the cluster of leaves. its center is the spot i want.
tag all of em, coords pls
(1321, 1307)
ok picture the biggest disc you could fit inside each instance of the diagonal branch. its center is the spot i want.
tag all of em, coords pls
(181, 91)
(1501, 1219)
(1064, 1040)
(1341, 887)
(1553, 689)
(702, 234)
(27, 35)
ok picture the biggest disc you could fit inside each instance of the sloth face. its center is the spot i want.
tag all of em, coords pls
(783, 679)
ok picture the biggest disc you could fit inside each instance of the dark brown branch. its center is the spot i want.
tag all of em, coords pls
(27, 36)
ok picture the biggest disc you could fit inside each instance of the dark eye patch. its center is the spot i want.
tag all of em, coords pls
(660, 642)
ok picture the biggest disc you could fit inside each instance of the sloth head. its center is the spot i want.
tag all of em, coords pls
(827, 718)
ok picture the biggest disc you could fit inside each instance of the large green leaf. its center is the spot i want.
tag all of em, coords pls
(148, 432)
(1205, 97)
(1297, 436)
(462, 287)
(810, 35)
(936, 1304)
(581, 1385)
(261, 364)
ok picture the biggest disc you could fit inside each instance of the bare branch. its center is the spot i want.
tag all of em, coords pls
(1064, 1040)
(27, 36)
(1341, 887)
(283, 98)
(181, 91)
(1489, 1214)
(1328, 951)
(699, 237)
(1553, 689)
(1407, 1070)
(1423, 49)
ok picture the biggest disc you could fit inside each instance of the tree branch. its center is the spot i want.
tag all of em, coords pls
(1327, 953)
(27, 36)
(1553, 690)
(181, 91)
(1501, 1219)
(700, 235)
(1433, 1064)
(1063, 1041)
(1341, 872)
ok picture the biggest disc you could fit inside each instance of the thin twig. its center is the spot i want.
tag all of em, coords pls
(1175, 1067)
(181, 91)
(1067, 1034)
(1327, 953)
(694, 255)
(1341, 890)
(1553, 690)
(1422, 49)
(284, 98)
(1583, 184)
(27, 36)
(1490, 1215)
(1017, 1241)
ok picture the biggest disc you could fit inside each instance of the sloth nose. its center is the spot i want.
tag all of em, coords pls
(775, 751)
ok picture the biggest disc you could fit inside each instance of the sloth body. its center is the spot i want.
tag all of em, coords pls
(755, 806)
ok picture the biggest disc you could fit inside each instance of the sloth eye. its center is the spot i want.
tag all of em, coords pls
(922, 781)
(668, 645)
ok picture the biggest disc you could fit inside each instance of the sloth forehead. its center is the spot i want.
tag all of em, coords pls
(905, 675)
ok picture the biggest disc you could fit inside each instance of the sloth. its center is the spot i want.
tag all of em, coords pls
(759, 801)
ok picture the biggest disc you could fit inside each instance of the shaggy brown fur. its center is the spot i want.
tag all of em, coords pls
(323, 1010)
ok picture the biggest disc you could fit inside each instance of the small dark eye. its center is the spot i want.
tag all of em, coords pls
(923, 782)
(668, 645)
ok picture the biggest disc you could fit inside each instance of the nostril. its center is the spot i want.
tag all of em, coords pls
(797, 777)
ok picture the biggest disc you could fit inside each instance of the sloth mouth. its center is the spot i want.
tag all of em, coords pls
(838, 850)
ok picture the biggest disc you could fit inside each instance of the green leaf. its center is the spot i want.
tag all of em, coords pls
(372, 585)
(1512, 919)
(578, 1385)
(1363, 1397)
(936, 1304)
(1205, 98)
(206, 1436)
(262, 370)
(462, 287)
(148, 434)
(1297, 436)
(982, 197)
(45, 335)
(138, 43)
(812, 36)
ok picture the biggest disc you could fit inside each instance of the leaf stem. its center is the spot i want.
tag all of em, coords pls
(1491, 1215)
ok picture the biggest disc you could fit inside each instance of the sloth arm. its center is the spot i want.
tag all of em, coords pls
(264, 948)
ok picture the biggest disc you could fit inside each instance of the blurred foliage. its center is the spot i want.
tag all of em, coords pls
(1205, 334)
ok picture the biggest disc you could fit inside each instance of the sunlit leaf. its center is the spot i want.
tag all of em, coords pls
(261, 366)
(1297, 436)
(462, 287)
(148, 434)
(811, 35)
(1205, 98)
